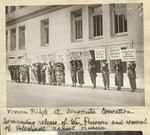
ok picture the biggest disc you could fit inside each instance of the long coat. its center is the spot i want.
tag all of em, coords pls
(93, 74)
(118, 74)
(132, 75)
(73, 74)
(81, 75)
(105, 74)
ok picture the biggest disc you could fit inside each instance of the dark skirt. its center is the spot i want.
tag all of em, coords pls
(118, 79)
(93, 77)
(81, 78)
(74, 77)
(132, 83)
(105, 77)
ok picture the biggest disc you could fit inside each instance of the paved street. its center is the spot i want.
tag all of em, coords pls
(34, 95)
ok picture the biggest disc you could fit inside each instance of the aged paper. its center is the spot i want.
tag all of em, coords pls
(94, 116)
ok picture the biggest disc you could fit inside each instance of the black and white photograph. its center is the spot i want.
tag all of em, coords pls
(75, 55)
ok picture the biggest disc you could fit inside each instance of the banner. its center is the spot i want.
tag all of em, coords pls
(18, 61)
(68, 56)
(128, 55)
(100, 54)
(12, 61)
(51, 57)
(29, 61)
(76, 55)
(115, 53)
(86, 54)
(60, 57)
(44, 58)
(23, 61)
(39, 59)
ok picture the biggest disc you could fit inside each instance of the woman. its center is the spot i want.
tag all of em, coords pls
(93, 75)
(33, 74)
(132, 75)
(58, 74)
(105, 74)
(50, 73)
(118, 74)
(43, 73)
(63, 73)
(80, 72)
(73, 73)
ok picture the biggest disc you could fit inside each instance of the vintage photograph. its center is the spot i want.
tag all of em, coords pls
(75, 55)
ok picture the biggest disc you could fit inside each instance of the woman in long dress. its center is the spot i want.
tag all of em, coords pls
(73, 71)
(132, 75)
(93, 75)
(118, 74)
(80, 72)
(33, 74)
(105, 74)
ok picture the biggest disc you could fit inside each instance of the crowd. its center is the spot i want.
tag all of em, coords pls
(36, 73)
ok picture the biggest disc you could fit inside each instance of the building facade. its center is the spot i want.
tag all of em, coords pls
(42, 30)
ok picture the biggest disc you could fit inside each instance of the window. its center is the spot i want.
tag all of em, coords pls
(6, 9)
(22, 37)
(6, 40)
(13, 8)
(119, 18)
(96, 21)
(13, 40)
(44, 32)
(77, 25)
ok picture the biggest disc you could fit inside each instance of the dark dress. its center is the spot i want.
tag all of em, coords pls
(81, 75)
(118, 74)
(132, 76)
(93, 73)
(73, 74)
(11, 70)
(27, 73)
(105, 74)
(43, 74)
(39, 73)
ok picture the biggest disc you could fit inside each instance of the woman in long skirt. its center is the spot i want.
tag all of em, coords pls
(80, 72)
(132, 75)
(105, 74)
(33, 74)
(93, 75)
(73, 73)
(118, 74)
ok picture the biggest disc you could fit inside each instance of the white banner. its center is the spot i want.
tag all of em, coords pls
(51, 57)
(100, 54)
(86, 54)
(128, 55)
(68, 57)
(115, 53)
(76, 55)
(44, 58)
(12, 61)
(60, 57)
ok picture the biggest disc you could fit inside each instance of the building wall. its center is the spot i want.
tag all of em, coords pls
(60, 35)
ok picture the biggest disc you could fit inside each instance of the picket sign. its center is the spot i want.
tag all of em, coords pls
(100, 54)
(76, 55)
(128, 55)
(115, 53)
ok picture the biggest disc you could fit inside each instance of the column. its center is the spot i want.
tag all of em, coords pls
(17, 38)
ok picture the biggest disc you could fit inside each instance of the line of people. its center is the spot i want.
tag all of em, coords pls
(36, 73)
(78, 72)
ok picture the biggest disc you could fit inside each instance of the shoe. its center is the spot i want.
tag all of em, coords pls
(104, 88)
